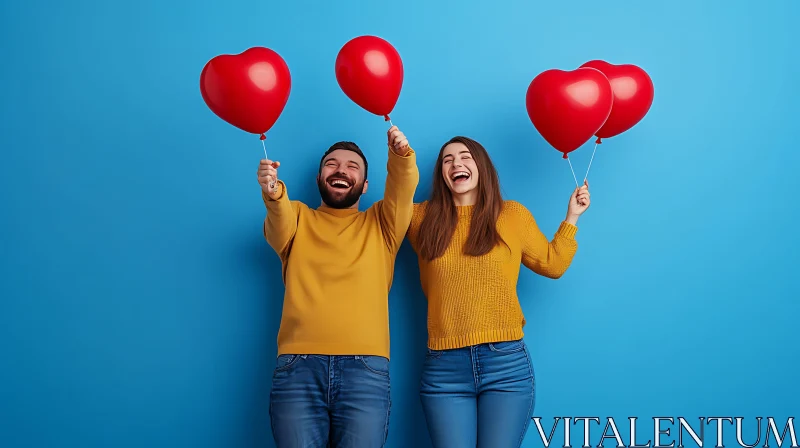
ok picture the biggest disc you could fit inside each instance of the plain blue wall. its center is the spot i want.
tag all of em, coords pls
(140, 303)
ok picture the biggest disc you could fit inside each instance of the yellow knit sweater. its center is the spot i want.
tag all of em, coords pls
(338, 266)
(473, 300)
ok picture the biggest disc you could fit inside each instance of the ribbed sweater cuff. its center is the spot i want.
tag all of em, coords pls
(567, 230)
(268, 199)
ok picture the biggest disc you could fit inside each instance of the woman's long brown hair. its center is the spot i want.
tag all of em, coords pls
(439, 224)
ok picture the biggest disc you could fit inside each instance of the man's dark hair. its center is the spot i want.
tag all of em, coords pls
(348, 146)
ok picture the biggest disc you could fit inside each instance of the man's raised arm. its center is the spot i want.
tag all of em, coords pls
(401, 182)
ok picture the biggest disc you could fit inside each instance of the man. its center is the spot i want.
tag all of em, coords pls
(331, 383)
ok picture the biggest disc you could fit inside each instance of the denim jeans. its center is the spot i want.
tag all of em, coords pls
(479, 396)
(330, 401)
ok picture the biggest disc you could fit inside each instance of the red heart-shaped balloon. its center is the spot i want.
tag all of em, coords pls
(633, 96)
(568, 107)
(248, 90)
(370, 72)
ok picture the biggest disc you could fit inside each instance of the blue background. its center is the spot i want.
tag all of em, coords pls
(140, 303)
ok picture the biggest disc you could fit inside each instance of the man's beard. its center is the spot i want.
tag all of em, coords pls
(339, 201)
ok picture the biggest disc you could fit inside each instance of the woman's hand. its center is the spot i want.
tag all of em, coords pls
(578, 203)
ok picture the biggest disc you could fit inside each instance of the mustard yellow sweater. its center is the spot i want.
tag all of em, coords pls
(473, 300)
(338, 266)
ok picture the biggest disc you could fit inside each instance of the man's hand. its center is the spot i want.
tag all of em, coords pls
(268, 177)
(397, 141)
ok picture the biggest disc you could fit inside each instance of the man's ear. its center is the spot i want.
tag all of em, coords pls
(366, 184)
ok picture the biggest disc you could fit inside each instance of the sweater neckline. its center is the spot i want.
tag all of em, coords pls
(464, 210)
(338, 212)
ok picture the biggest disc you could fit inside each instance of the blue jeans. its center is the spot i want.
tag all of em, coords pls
(479, 396)
(330, 401)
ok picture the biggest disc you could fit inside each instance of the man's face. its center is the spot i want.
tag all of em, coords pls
(341, 180)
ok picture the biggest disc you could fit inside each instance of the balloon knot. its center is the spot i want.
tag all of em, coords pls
(263, 137)
(386, 118)
(598, 141)
(565, 155)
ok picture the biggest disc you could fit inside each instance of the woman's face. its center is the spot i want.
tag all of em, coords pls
(459, 170)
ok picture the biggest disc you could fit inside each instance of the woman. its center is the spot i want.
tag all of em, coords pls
(477, 386)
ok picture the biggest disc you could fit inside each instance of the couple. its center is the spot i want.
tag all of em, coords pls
(331, 384)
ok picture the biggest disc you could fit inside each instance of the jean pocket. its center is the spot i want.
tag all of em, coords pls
(285, 362)
(434, 354)
(507, 346)
(375, 364)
